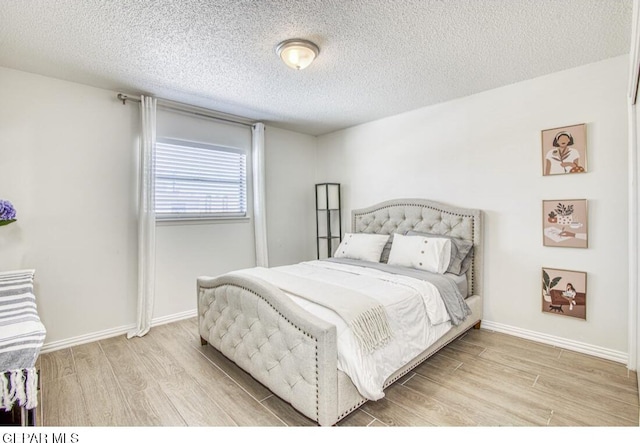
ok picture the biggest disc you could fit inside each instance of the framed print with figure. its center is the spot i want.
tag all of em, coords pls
(564, 150)
(564, 223)
(564, 292)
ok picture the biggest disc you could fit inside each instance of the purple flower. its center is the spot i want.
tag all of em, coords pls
(7, 211)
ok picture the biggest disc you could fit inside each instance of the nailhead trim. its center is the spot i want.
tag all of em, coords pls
(425, 206)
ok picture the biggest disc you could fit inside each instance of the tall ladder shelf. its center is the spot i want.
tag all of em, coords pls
(328, 219)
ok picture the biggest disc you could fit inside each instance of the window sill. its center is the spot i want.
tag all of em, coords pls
(179, 221)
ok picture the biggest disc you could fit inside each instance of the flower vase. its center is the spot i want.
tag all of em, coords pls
(565, 219)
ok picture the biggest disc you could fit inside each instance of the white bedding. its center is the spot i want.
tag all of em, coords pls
(415, 311)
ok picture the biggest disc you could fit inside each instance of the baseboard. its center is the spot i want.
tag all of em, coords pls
(113, 332)
(596, 351)
(559, 342)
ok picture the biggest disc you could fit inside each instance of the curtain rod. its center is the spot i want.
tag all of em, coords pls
(201, 112)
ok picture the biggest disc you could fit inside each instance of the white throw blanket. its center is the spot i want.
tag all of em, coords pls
(365, 316)
(415, 312)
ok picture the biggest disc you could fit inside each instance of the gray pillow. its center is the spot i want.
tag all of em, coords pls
(461, 252)
(466, 263)
(384, 257)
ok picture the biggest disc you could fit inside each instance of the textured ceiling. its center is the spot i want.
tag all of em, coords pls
(377, 57)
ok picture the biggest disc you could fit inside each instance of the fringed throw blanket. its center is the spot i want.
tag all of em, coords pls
(364, 315)
(21, 337)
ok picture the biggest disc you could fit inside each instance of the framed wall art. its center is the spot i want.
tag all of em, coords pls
(564, 292)
(564, 150)
(565, 223)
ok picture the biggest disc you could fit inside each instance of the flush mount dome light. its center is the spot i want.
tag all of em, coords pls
(296, 53)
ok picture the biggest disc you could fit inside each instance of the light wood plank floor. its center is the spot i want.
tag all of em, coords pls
(482, 379)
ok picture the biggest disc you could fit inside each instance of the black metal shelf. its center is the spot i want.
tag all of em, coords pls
(333, 217)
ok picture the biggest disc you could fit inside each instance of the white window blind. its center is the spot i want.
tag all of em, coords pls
(196, 180)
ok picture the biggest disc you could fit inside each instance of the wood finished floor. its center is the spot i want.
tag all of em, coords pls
(482, 379)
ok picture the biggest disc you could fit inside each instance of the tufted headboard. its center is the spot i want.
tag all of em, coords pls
(428, 216)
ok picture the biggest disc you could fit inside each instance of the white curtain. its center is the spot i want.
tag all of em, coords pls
(259, 212)
(146, 217)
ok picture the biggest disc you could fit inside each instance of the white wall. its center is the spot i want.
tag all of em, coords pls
(68, 163)
(483, 151)
(290, 158)
(634, 201)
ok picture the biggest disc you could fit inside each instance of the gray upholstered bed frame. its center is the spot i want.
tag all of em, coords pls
(294, 353)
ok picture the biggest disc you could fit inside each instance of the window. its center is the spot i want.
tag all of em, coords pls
(197, 180)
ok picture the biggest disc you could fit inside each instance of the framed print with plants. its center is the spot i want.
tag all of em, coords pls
(564, 223)
(564, 150)
(564, 292)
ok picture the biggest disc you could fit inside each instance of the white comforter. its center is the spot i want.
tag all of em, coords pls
(415, 311)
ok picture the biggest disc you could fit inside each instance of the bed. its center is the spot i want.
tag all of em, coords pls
(260, 319)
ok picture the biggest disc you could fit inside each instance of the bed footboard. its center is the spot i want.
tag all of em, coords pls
(281, 345)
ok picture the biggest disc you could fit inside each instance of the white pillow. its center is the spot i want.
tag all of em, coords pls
(427, 254)
(367, 247)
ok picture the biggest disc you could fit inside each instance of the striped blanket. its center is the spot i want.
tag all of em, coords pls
(21, 337)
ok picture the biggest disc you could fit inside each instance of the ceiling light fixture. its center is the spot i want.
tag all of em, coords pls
(297, 53)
